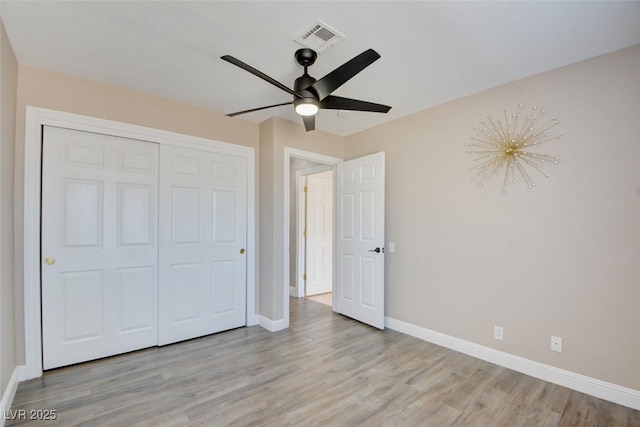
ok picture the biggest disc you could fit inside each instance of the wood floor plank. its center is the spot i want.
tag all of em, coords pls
(326, 369)
(585, 410)
(534, 403)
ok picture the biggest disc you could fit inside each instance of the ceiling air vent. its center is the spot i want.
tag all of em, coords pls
(319, 37)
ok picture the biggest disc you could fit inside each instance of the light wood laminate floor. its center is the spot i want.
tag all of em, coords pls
(324, 370)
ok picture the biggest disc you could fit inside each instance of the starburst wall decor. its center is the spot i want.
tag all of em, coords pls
(506, 145)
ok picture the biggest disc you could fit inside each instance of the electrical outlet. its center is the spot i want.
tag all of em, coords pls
(498, 333)
(556, 344)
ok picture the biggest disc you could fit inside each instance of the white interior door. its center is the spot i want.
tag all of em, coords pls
(360, 239)
(319, 227)
(203, 223)
(99, 246)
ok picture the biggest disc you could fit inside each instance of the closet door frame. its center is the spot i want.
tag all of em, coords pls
(35, 119)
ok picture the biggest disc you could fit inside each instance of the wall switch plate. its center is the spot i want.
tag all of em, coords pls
(556, 344)
(498, 333)
(392, 247)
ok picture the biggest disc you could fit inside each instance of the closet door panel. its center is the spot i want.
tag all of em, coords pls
(203, 221)
(99, 246)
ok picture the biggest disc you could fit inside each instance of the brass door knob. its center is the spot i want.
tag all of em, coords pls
(242, 250)
(50, 261)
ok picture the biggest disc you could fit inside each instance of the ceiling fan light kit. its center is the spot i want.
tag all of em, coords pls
(306, 106)
(309, 94)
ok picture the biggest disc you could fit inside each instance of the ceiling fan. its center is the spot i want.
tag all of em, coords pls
(310, 94)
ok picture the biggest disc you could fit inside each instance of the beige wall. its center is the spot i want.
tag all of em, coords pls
(561, 259)
(8, 89)
(47, 89)
(275, 135)
(265, 296)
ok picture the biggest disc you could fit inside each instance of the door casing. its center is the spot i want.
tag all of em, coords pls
(35, 119)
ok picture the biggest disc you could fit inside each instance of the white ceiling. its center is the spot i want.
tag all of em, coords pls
(432, 52)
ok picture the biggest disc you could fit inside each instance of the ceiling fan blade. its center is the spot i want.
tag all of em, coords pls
(309, 122)
(332, 102)
(258, 73)
(343, 73)
(258, 109)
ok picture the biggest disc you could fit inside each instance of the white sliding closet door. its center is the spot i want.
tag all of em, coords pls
(99, 246)
(203, 222)
(142, 244)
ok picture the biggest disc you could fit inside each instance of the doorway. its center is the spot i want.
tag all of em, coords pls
(302, 160)
(358, 273)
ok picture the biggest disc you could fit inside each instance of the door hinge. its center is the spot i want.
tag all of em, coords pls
(304, 276)
(304, 232)
(305, 189)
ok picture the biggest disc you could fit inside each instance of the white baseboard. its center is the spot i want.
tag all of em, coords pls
(19, 374)
(600, 389)
(271, 325)
(293, 292)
